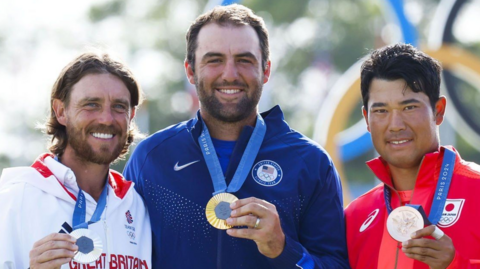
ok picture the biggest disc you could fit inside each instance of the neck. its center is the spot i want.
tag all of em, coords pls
(404, 178)
(228, 131)
(90, 176)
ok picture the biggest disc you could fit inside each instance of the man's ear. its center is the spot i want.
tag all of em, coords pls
(365, 116)
(266, 72)
(59, 109)
(440, 107)
(189, 71)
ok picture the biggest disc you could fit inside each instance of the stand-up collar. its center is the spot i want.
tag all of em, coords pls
(428, 171)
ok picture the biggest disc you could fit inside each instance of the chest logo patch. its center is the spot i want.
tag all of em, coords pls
(371, 217)
(267, 173)
(451, 212)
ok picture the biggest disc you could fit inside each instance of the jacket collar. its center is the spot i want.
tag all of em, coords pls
(46, 165)
(274, 120)
(428, 172)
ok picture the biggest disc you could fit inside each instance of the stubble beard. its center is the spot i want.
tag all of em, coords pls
(228, 113)
(85, 152)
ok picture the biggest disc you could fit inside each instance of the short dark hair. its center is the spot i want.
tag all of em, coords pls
(402, 61)
(92, 62)
(236, 15)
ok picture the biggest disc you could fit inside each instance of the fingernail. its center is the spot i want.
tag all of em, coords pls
(233, 212)
(413, 235)
(229, 221)
(405, 243)
(232, 205)
(229, 231)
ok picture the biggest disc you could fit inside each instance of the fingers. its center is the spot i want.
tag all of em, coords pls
(248, 220)
(52, 251)
(427, 231)
(55, 237)
(251, 205)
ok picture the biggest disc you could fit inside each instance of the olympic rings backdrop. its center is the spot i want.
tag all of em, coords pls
(345, 143)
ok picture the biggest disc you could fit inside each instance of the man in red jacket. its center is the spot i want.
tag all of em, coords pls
(403, 109)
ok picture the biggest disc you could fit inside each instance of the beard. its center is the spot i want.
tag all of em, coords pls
(228, 112)
(84, 151)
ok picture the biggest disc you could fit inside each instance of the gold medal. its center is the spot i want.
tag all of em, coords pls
(218, 210)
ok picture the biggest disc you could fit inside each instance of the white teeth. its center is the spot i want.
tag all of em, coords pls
(399, 142)
(229, 91)
(102, 136)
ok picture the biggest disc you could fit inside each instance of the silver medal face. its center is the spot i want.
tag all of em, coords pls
(89, 246)
(403, 221)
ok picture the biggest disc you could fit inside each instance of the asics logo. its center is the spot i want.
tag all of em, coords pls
(369, 220)
(178, 168)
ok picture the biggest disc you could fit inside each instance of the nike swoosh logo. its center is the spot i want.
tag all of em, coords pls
(178, 168)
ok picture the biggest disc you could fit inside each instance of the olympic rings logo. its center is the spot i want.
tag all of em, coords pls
(446, 219)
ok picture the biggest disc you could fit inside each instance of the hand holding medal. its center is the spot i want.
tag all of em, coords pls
(264, 225)
(52, 251)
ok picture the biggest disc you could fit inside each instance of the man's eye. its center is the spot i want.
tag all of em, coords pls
(410, 107)
(91, 104)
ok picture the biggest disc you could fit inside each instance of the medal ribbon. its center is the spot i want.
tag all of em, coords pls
(80, 211)
(246, 162)
(443, 185)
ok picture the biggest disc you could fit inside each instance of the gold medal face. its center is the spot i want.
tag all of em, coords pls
(218, 210)
(403, 221)
(89, 246)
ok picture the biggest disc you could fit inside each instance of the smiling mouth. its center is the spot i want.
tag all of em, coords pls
(229, 91)
(398, 142)
(102, 135)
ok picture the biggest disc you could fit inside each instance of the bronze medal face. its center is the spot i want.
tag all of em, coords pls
(89, 246)
(218, 210)
(403, 221)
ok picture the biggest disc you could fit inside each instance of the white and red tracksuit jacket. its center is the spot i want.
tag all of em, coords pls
(39, 200)
(370, 245)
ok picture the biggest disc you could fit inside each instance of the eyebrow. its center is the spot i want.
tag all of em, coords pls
(404, 102)
(240, 55)
(98, 99)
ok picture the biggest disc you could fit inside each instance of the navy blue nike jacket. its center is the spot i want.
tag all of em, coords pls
(290, 171)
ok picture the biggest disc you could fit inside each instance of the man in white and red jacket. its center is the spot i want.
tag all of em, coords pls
(93, 103)
(403, 109)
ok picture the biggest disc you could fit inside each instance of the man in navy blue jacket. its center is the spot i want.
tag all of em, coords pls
(289, 213)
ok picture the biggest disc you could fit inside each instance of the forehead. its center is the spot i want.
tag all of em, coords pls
(392, 92)
(103, 86)
(228, 39)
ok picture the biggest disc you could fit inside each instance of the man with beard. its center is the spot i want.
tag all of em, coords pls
(289, 213)
(68, 208)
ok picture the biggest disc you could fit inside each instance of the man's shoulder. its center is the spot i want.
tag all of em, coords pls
(159, 138)
(371, 199)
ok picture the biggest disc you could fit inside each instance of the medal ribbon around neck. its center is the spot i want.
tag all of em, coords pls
(443, 185)
(246, 162)
(80, 211)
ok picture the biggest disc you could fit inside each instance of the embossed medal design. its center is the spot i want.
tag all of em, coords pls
(403, 221)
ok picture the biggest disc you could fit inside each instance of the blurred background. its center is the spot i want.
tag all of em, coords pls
(316, 47)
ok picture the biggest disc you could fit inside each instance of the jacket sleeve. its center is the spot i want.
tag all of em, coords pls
(321, 242)
(460, 262)
(13, 253)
